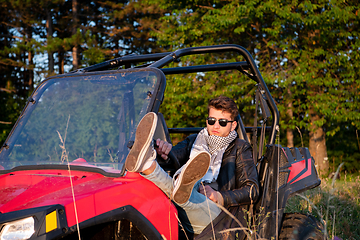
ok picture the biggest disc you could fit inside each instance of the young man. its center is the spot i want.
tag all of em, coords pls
(217, 169)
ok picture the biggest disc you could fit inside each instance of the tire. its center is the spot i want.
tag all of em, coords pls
(297, 226)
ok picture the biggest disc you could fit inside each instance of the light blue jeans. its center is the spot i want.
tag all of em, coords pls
(197, 212)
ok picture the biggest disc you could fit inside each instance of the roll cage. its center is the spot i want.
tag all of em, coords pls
(273, 175)
(247, 67)
(160, 61)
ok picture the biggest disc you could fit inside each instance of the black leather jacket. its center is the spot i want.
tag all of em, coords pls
(237, 180)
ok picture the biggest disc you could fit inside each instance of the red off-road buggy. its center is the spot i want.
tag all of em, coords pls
(62, 170)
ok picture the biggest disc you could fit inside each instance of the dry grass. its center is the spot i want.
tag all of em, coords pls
(335, 203)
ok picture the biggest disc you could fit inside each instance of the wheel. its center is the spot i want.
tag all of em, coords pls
(297, 226)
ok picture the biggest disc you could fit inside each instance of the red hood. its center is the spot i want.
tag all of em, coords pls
(94, 194)
(34, 188)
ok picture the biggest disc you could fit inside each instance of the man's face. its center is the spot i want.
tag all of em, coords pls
(216, 129)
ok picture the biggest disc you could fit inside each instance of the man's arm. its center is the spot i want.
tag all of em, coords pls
(246, 189)
(182, 149)
(238, 179)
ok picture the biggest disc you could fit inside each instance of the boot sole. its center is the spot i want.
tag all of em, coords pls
(192, 173)
(143, 137)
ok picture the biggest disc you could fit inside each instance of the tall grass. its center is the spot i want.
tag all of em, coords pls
(335, 203)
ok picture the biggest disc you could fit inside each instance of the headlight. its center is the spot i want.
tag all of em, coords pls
(18, 230)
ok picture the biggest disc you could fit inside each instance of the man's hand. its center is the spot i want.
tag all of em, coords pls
(213, 195)
(163, 148)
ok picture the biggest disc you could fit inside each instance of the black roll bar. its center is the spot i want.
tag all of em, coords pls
(228, 48)
(162, 59)
(124, 60)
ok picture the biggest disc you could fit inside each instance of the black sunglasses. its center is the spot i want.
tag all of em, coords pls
(222, 122)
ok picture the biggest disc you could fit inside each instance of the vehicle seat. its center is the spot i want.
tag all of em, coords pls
(240, 129)
(161, 130)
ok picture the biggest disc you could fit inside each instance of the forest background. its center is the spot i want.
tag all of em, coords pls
(306, 50)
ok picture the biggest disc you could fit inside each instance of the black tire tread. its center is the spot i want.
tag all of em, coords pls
(297, 226)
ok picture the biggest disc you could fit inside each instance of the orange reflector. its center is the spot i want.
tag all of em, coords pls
(51, 221)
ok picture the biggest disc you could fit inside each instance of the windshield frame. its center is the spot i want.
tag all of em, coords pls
(153, 106)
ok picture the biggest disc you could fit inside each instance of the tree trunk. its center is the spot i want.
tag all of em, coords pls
(75, 50)
(317, 145)
(290, 138)
(289, 131)
(30, 82)
(49, 27)
(29, 73)
(61, 63)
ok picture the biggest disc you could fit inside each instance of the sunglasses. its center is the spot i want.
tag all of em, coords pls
(222, 122)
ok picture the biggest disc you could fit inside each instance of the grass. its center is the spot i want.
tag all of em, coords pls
(335, 203)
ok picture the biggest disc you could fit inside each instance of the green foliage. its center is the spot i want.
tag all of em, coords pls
(94, 53)
(307, 52)
(33, 32)
(341, 151)
(186, 96)
(13, 67)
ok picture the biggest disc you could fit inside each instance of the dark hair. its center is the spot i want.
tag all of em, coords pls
(225, 104)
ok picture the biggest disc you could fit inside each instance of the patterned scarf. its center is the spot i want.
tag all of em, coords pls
(215, 143)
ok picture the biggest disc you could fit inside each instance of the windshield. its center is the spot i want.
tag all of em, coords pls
(85, 119)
